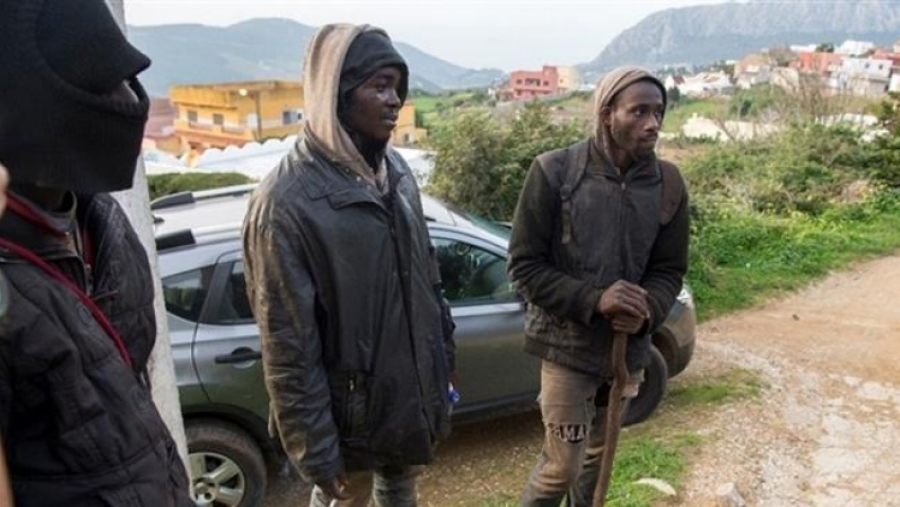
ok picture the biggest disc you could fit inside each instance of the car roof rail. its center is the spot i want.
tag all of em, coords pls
(191, 197)
(175, 239)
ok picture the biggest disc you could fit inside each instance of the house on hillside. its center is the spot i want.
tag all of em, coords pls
(529, 84)
(854, 48)
(234, 114)
(816, 62)
(159, 132)
(754, 69)
(674, 82)
(866, 77)
(570, 79)
(706, 84)
(789, 78)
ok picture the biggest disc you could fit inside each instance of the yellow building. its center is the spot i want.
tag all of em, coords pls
(225, 114)
(406, 133)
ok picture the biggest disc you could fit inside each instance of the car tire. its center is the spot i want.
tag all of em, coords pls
(221, 446)
(652, 390)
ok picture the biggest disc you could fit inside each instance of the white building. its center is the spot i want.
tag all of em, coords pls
(854, 48)
(706, 84)
(868, 77)
(569, 79)
(809, 48)
(895, 83)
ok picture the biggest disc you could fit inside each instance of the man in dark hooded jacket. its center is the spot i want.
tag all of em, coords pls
(344, 285)
(78, 423)
(599, 246)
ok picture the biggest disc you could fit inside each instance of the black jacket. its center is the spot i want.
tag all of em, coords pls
(342, 285)
(562, 256)
(79, 426)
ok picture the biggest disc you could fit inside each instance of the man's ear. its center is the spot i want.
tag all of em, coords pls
(606, 115)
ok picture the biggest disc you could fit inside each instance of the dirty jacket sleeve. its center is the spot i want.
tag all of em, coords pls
(667, 265)
(531, 266)
(283, 295)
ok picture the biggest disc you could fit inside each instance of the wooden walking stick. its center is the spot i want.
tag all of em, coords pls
(613, 417)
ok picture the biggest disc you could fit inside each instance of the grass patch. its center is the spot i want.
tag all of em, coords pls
(735, 385)
(743, 259)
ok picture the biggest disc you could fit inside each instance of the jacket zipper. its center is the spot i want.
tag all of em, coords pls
(348, 409)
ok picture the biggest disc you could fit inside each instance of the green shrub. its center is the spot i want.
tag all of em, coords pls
(166, 184)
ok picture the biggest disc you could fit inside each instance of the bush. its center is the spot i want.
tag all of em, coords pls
(165, 184)
(481, 164)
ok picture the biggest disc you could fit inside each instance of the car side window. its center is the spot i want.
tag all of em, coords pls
(472, 275)
(235, 307)
(185, 293)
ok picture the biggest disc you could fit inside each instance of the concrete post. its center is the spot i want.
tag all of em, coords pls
(162, 368)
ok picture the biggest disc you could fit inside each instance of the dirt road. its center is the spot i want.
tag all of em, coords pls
(825, 432)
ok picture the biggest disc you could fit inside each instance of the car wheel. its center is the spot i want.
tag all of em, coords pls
(652, 390)
(227, 467)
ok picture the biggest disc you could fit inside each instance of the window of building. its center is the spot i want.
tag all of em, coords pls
(291, 116)
(546, 83)
(218, 119)
(192, 116)
(518, 81)
(235, 307)
(472, 275)
(186, 293)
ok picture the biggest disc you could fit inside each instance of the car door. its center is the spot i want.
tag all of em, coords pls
(227, 348)
(489, 316)
(185, 296)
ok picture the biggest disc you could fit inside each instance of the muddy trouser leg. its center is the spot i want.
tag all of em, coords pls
(582, 492)
(395, 486)
(359, 487)
(567, 409)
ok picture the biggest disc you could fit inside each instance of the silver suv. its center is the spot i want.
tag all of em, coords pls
(217, 352)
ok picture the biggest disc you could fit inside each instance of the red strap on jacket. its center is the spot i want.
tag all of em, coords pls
(55, 274)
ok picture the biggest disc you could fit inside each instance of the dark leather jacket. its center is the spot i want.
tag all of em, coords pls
(79, 426)
(342, 285)
(615, 227)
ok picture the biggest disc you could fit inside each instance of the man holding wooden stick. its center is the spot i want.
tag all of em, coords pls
(599, 248)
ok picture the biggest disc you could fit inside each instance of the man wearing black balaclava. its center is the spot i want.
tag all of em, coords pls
(78, 423)
(345, 287)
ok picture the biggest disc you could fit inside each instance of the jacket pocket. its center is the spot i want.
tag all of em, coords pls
(355, 398)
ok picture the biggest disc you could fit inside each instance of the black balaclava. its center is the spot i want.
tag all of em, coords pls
(58, 60)
(368, 53)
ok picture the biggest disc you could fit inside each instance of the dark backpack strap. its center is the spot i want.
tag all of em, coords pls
(672, 190)
(575, 165)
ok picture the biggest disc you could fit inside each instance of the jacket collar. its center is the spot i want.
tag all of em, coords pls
(27, 234)
(341, 185)
(600, 162)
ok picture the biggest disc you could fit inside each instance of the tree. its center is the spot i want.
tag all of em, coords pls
(825, 47)
(481, 164)
(673, 96)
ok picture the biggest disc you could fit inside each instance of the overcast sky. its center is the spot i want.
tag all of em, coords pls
(504, 34)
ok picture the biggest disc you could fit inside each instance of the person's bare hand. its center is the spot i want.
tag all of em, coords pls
(4, 182)
(624, 298)
(627, 324)
(334, 488)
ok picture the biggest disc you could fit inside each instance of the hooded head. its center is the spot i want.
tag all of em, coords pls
(68, 120)
(354, 82)
(629, 105)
